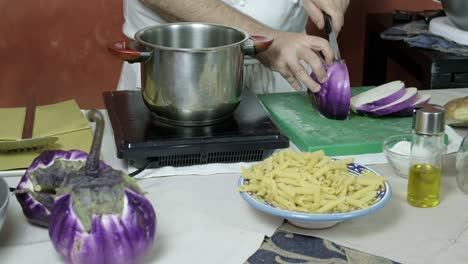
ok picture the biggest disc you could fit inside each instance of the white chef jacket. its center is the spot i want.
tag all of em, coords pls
(285, 15)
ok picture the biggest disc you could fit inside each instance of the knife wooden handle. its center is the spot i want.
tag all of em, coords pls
(328, 24)
(29, 118)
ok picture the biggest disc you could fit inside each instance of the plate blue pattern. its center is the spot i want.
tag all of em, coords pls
(310, 220)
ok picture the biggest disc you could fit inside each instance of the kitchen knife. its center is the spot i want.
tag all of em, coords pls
(332, 37)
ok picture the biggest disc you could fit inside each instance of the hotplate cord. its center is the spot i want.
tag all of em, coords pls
(140, 170)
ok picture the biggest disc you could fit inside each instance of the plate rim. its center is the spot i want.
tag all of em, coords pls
(12, 173)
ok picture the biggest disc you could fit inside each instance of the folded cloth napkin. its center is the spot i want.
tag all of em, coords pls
(63, 120)
(417, 34)
(286, 247)
(454, 141)
(208, 169)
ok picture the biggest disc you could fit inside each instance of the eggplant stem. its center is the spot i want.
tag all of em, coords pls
(93, 161)
(43, 189)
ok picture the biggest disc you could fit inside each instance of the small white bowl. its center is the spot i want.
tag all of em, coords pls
(319, 221)
(4, 197)
(397, 150)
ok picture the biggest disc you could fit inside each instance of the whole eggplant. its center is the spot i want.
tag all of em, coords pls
(95, 214)
(47, 170)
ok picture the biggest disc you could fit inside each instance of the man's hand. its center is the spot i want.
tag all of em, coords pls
(286, 52)
(334, 8)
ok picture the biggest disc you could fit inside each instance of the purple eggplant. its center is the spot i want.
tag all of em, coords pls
(334, 98)
(47, 171)
(378, 96)
(95, 214)
(114, 235)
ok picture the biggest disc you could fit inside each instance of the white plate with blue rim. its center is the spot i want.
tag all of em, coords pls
(12, 173)
(320, 220)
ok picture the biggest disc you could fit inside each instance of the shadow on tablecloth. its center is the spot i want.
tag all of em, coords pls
(285, 248)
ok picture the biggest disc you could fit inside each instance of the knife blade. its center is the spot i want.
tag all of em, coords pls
(332, 38)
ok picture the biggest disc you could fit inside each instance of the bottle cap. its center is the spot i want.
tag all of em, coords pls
(429, 119)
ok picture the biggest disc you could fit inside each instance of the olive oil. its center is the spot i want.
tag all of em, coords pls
(427, 151)
(424, 185)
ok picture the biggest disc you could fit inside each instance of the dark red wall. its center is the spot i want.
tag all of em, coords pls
(56, 49)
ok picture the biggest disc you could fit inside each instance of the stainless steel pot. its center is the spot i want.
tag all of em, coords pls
(192, 73)
(457, 12)
(4, 197)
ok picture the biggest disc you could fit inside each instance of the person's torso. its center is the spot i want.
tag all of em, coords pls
(286, 15)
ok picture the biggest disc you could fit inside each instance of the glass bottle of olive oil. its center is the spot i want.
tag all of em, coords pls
(424, 185)
(427, 149)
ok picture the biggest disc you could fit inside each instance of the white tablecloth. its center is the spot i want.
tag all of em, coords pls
(202, 219)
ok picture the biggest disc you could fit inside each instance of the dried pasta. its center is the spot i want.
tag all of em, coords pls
(310, 182)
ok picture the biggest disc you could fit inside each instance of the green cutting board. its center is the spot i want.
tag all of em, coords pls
(309, 131)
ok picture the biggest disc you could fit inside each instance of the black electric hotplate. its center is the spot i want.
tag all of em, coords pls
(249, 135)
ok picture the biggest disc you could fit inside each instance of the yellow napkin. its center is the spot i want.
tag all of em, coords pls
(63, 120)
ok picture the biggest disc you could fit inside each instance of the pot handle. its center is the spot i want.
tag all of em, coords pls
(257, 44)
(127, 51)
